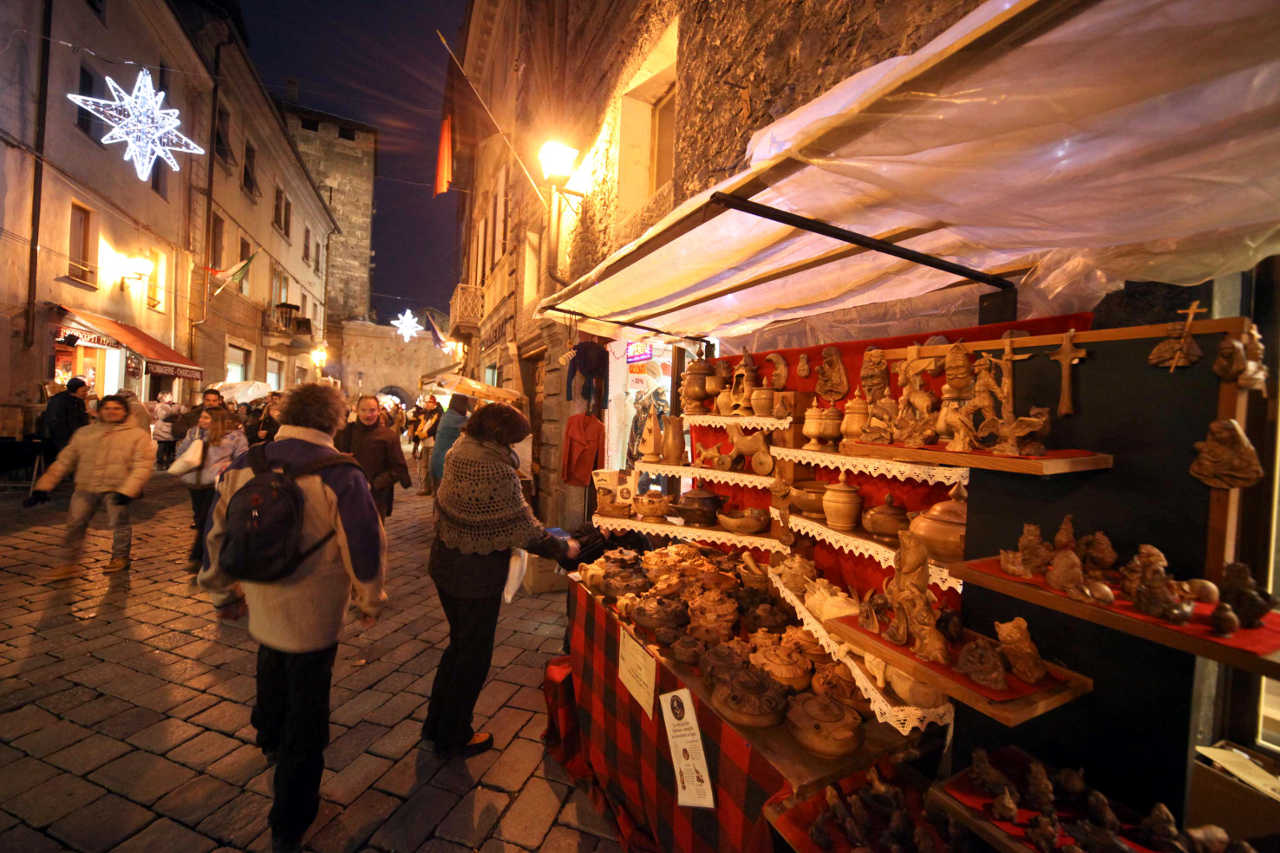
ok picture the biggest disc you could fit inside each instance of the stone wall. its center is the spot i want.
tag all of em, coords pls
(343, 169)
(367, 358)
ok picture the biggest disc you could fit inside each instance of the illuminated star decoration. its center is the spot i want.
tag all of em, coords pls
(137, 120)
(407, 325)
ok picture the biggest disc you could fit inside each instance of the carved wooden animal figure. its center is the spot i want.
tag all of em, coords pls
(754, 446)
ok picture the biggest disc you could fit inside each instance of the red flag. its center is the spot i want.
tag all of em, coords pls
(444, 157)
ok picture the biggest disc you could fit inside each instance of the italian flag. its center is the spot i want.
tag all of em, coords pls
(232, 275)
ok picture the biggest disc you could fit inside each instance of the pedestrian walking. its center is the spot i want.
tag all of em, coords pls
(377, 449)
(221, 442)
(269, 424)
(447, 432)
(138, 413)
(210, 398)
(425, 434)
(64, 414)
(296, 619)
(481, 515)
(164, 416)
(112, 459)
(411, 427)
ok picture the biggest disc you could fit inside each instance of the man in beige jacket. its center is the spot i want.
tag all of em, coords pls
(112, 460)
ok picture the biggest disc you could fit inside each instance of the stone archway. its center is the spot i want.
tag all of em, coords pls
(406, 399)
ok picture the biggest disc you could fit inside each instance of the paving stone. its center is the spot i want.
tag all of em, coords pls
(344, 787)
(528, 698)
(503, 655)
(514, 766)
(551, 769)
(241, 688)
(239, 821)
(128, 722)
(497, 845)
(203, 749)
(88, 754)
(536, 727)
(166, 835)
(344, 749)
(27, 840)
(196, 799)
(96, 710)
(348, 831)
(439, 845)
(506, 724)
(395, 709)
(494, 695)
(530, 817)
(194, 705)
(406, 735)
(20, 775)
(228, 717)
(461, 774)
(240, 765)
(469, 822)
(565, 839)
(52, 738)
(580, 814)
(525, 675)
(141, 776)
(53, 798)
(410, 824)
(164, 735)
(101, 825)
(410, 773)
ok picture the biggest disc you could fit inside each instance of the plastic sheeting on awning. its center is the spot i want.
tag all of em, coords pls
(457, 384)
(1087, 143)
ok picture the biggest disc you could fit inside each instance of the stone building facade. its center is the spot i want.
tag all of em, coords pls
(660, 97)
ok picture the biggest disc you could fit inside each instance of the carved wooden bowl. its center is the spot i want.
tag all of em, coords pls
(655, 612)
(834, 681)
(823, 726)
(744, 521)
(688, 650)
(784, 665)
(749, 698)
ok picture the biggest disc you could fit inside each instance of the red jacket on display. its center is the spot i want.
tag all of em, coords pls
(583, 449)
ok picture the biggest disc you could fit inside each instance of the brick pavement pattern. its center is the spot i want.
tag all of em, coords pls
(124, 708)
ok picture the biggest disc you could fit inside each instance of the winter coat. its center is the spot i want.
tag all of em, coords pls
(216, 456)
(105, 458)
(447, 432)
(377, 449)
(162, 429)
(63, 416)
(304, 612)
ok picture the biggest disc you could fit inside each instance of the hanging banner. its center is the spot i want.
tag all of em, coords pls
(637, 353)
(693, 782)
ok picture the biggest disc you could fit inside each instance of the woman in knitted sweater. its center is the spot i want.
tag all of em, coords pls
(481, 515)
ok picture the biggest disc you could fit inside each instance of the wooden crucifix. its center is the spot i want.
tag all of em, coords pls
(1066, 355)
(1179, 357)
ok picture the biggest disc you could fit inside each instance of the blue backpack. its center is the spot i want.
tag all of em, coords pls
(263, 528)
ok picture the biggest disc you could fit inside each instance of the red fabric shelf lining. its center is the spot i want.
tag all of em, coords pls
(1259, 641)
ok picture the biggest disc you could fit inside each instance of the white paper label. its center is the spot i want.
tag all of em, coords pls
(637, 669)
(693, 782)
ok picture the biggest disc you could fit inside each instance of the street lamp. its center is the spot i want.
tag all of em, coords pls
(319, 356)
(557, 161)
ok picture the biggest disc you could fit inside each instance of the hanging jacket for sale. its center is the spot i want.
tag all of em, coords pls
(583, 449)
(591, 362)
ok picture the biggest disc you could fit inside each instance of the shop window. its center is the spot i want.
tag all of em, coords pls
(492, 375)
(316, 258)
(277, 209)
(222, 136)
(275, 373)
(310, 124)
(288, 217)
(299, 376)
(80, 245)
(90, 86)
(249, 174)
(279, 285)
(245, 251)
(646, 157)
(347, 133)
(302, 304)
(306, 245)
(237, 363)
(215, 242)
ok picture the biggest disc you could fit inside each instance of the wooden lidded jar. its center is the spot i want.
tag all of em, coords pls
(842, 505)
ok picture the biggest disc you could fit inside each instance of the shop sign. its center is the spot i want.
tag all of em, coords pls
(85, 337)
(637, 670)
(132, 366)
(693, 781)
(160, 368)
(637, 353)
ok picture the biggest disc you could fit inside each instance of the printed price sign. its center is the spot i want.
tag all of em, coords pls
(637, 670)
(693, 782)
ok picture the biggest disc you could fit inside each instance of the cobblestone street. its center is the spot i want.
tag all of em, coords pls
(124, 708)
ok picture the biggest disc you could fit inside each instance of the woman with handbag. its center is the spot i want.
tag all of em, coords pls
(481, 517)
(207, 451)
(425, 434)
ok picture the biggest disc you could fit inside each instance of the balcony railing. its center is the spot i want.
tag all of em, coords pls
(281, 326)
(466, 309)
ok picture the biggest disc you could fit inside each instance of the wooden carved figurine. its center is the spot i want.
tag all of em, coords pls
(802, 366)
(1180, 348)
(1226, 457)
(1012, 432)
(833, 382)
(742, 386)
(1240, 360)
(881, 410)
(651, 439)
(754, 446)
(1066, 355)
(778, 378)
(914, 423)
(957, 391)
(1241, 592)
(1035, 552)
(1020, 651)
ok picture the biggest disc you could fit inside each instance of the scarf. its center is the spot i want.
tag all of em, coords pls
(479, 505)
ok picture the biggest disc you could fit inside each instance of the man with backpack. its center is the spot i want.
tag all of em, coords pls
(293, 534)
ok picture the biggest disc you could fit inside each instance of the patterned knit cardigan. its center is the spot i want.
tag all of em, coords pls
(479, 505)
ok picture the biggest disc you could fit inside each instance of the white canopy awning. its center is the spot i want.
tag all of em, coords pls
(1086, 143)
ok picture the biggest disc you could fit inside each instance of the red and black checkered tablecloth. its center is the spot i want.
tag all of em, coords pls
(630, 763)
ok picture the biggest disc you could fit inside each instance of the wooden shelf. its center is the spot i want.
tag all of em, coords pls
(993, 835)
(714, 475)
(1056, 462)
(944, 474)
(746, 422)
(1010, 713)
(690, 533)
(986, 573)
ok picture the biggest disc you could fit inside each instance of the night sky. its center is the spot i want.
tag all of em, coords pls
(385, 68)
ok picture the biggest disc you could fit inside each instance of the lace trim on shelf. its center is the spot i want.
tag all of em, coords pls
(947, 475)
(751, 422)
(691, 534)
(862, 546)
(902, 717)
(714, 475)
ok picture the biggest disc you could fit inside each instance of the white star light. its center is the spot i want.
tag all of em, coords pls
(137, 120)
(407, 325)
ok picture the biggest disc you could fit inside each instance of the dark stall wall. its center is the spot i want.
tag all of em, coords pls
(1131, 733)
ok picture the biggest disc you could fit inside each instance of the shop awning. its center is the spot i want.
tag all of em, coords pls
(1067, 145)
(455, 383)
(162, 360)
